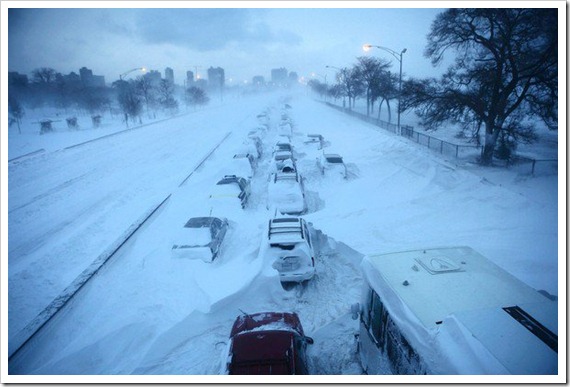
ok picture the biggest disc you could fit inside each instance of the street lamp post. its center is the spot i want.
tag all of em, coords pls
(398, 57)
(130, 71)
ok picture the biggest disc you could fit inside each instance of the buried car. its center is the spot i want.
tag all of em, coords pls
(244, 165)
(332, 163)
(231, 187)
(286, 193)
(291, 247)
(200, 238)
(267, 344)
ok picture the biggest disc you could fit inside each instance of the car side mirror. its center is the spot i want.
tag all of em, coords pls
(309, 340)
(355, 310)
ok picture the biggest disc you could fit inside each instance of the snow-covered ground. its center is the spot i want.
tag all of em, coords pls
(148, 313)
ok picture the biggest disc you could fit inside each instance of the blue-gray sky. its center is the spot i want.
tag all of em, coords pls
(244, 41)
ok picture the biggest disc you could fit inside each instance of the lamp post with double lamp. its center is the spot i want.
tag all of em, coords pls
(398, 57)
(130, 71)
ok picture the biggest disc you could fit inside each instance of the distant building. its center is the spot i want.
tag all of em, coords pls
(293, 78)
(216, 77)
(279, 76)
(17, 79)
(169, 75)
(90, 80)
(189, 78)
(258, 80)
(72, 79)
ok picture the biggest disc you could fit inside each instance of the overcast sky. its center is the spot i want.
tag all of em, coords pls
(244, 41)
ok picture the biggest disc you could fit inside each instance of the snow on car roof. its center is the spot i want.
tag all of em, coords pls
(190, 236)
(266, 320)
(285, 230)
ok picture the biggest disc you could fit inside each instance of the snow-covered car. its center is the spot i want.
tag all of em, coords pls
(291, 249)
(232, 187)
(315, 139)
(331, 163)
(286, 193)
(252, 146)
(200, 238)
(243, 164)
(283, 146)
(282, 158)
(268, 343)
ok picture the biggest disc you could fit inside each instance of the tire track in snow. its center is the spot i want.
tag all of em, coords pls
(51, 191)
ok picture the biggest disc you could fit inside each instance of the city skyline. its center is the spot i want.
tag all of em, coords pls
(246, 42)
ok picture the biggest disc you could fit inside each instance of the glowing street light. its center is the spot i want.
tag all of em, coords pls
(398, 57)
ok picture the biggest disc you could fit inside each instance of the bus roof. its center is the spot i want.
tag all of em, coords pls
(435, 283)
(509, 318)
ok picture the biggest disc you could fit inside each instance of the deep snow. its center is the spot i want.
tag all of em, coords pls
(147, 313)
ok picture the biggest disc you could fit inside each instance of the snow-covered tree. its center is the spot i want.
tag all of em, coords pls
(505, 72)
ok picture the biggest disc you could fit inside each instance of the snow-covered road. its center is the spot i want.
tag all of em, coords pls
(147, 313)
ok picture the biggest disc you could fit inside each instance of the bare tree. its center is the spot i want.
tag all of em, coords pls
(195, 96)
(505, 72)
(16, 111)
(384, 88)
(44, 75)
(369, 71)
(351, 83)
(147, 91)
(166, 96)
(128, 99)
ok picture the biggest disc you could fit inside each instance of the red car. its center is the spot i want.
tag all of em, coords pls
(268, 344)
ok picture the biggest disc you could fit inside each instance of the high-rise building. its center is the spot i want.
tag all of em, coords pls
(258, 80)
(279, 76)
(293, 78)
(216, 77)
(169, 75)
(17, 79)
(90, 80)
(189, 78)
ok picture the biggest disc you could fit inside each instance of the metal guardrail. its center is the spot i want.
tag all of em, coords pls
(445, 147)
(434, 143)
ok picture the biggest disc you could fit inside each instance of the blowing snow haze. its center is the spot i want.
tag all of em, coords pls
(174, 172)
(244, 42)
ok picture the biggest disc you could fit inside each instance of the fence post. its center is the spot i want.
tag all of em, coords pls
(456, 151)
(441, 148)
(533, 163)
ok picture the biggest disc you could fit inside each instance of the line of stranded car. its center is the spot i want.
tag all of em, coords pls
(435, 311)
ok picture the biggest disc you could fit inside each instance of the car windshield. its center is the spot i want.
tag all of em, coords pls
(282, 156)
(284, 146)
(334, 159)
(199, 222)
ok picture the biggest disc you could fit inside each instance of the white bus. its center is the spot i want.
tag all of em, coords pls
(450, 311)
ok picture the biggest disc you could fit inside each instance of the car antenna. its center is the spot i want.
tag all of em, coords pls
(246, 314)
